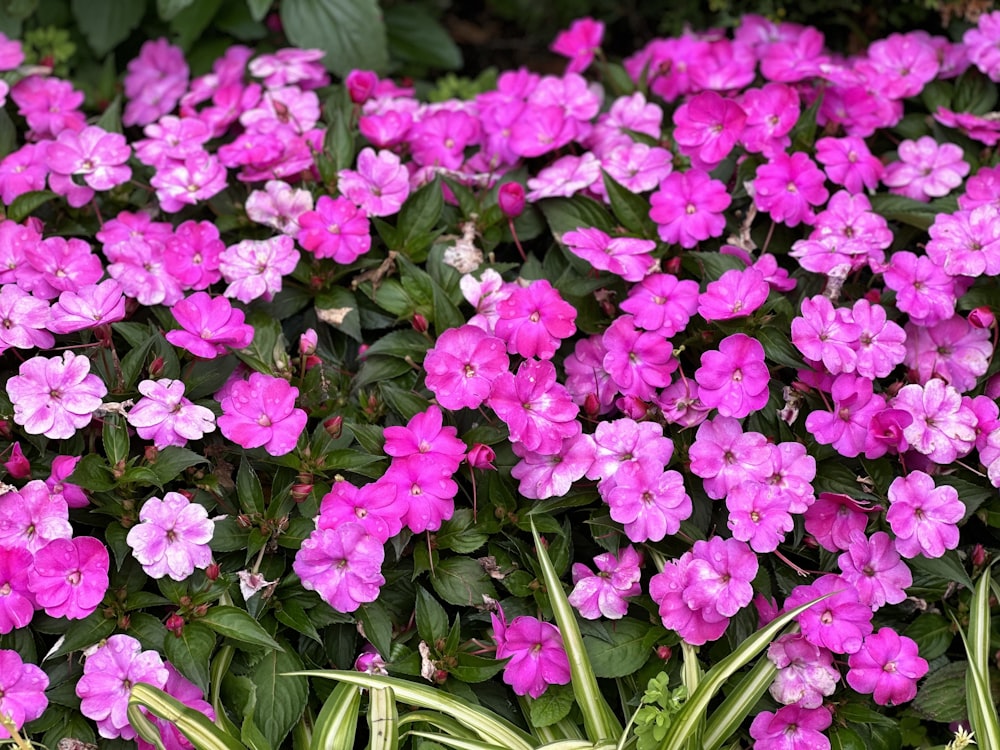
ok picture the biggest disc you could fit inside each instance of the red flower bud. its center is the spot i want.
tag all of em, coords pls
(307, 342)
(979, 555)
(334, 426)
(481, 457)
(156, 367)
(151, 453)
(511, 199)
(175, 624)
(982, 317)
(874, 296)
(300, 492)
(420, 324)
(673, 265)
(361, 85)
(17, 465)
(591, 405)
(664, 652)
(212, 572)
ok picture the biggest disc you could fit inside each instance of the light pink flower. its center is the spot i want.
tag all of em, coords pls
(462, 365)
(923, 517)
(154, 83)
(22, 690)
(166, 417)
(172, 537)
(55, 397)
(943, 428)
(98, 156)
(380, 185)
(627, 257)
(254, 268)
(343, 565)
(925, 169)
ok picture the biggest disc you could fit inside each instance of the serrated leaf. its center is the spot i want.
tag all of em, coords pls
(617, 648)
(551, 706)
(948, 567)
(377, 624)
(351, 32)
(432, 621)
(932, 633)
(631, 209)
(172, 460)
(86, 632)
(281, 698)
(238, 625)
(941, 697)
(462, 581)
(415, 36)
(167, 9)
(292, 614)
(107, 23)
(26, 204)
(190, 652)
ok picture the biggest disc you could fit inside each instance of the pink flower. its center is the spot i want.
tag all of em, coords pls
(380, 185)
(565, 177)
(981, 42)
(925, 169)
(261, 412)
(428, 487)
(638, 361)
(49, 105)
(23, 171)
(98, 156)
(649, 502)
(538, 411)
(735, 378)
(197, 178)
(166, 417)
(154, 83)
(881, 342)
(848, 162)
(62, 468)
(923, 290)
(336, 229)
(18, 465)
(688, 208)
(462, 365)
(835, 519)
(623, 256)
(662, 304)
(70, 577)
(172, 140)
(209, 326)
(254, 268)
(791, 728)
(106, 684)
(787, 187)
(694, 625)
(22, 691)
(967, 243)
(179, 687)
(725, 457)
(827, 334)
(840, 622)
(292, 66)
(280, 206)
(542, 476)
(23, 320)
(873, 567)
(923, 517)
(772, 111)
(719, 576)
(17, 605)
(579, 43)
(31, 517)
(377, 506)
(172, 537)
(805, 671)
(587, 381)
(440, 139)
(55, 397)
(536, 655)
(953, 350)
(534, 319)
(735, 294)
(192, 253)
(89, 306)
(943, 428)
(343, 565)
(846, 426)
(707, 127)
(887, 666)
(425, 437)
(759, 515)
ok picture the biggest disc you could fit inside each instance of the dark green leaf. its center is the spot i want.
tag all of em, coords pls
(107, 23)
(418, 217)
(172, 460)
(148, 630)
(115, 438)
(933, 634)
(189, 25)
(25, 205)
(404, 403)
(191, 652)
(248, 488)
(228, 536)
(93, 473)
(205, 377)
(569, 214)
(631, 209)
(86, 632)
(947, 567)
(909, 211)
(710, 266)
(459, 534)
(348, 460)
(351, 32)
(415, 36)
(974, 93)
(470, 668)
(167, 9)
(291, 613)
(377, 624)
(111, 118)
(551, 706)
(778, 348)
(281, 698)
(617, 648)
(432, 622)
(462, 581)
(8, 134)
(238, 625)
(937, 94)
(842, 738)
(115, 535)
(339, 307)
(379, 369)
(401, 344)
(259, 8)
(941, 697)
(370, 437)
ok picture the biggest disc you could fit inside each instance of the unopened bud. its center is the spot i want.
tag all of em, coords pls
(874, 296)
(307, 342)
(301, 492)
(982, 317)
(151, 453)
(18, 465)
(978, 555)
(481, 457)
(212, 572)
(591, 405)
(156, 367)
(175, 624)
(334, 426)
(361, 85)
(420, 324)
(511, 199)
(673, 265)
(664, 653)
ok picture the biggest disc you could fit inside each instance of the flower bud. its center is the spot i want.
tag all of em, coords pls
(175, 624)
(5, 431)
(511, 199)
(874, 296)
(212, 572)
(982, 317)
(307, 342)
(979, 555)
(591, 405)
(151, 453)
(156, 367)
(673, 265)
(300, 492)
(334, 426)
(481, 457)
(361, 85)
(420, 324)
(17, 465)
(664, 653)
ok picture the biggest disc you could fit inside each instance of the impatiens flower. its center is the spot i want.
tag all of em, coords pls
(873, 567)
(280, 206)
(88, 306)
(638, 361)
(22, 691)
(70, 577)
(848, 162)
(952, 350)
(542, 476)
(724, 456)
(185, 691)
(538, 411)
(565, 177)
(791, 728)
(688, 208)
(826, 334)
(840, 622)
(261, 412)
(624, 256)
(426, 438)
(184, 183)
(337, 229)
(649, 502)
(788, 186)
(805, 671)
(462, 365)
(209, 326)
(62, 468)
(534, 320)
(154, 83)
(923, 290)
(31, 517)
(735, 294)
(923, 517)
(579, 43)
(17, 605)
(254, 268)
(926, 169)
(377, 506)
(834, 520)
(55, 397)
(943, 428)
(719, 576)
(536, 653)
(427, 486)
(981, 41)
(343, 565)
(759, 515)
(708, 125)
(735, 378)
(166, 417)
(379, 186)
(23, 320)
(967, 242)
(106, 684)
(662, 303)
(96, 155)
(888, 666)
(694, 625)
(172, 537)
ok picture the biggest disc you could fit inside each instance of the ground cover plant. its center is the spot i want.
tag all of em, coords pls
(652, 404)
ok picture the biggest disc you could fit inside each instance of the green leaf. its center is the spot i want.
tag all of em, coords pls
(167, 9)
(778, 348)
(339, 307)
(172, 460)
(470, 669)
(351, 32)
(459, 533)
(401, 344)
(25, 205)
(842, 738)
(259, 8)
(551, 706)
(461, 581)
(932, 633)
(974, 93)
(631, 209)
(115, 438)
(337, 723)
(292, 614)
(982, 705)
(190, 652)
(948, 567)
(248, 488)
(383, 720)
(348, 460)
(416, 37)
(619, 648)
(189, 25)
(909, 211)
(8, 134)
(432, 621)
(281, 698)
(569, 214)
(598, 718)
(418, 217)
(377, 623)
(710, 265)
(235, 623)
(93, 473)
(941, 697)
(86, 632)
(107, 23)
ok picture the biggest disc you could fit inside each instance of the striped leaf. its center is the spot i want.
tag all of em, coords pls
(194, 725)
(982, 711)
(337, 722)
(383, 720)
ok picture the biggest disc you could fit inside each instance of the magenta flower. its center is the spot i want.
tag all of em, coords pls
(428, 487)
(31, 517)
(694, 625)
(887, 666)
(183, 183)
(688, 208)
(342, 565)
(791, 728)
(261, 412)
(62, 468)
(926, 169)
(923, 517)
(759, 515)
(154, 82)
(55, 397)
(649, 502)
(735, 378)
(725, 457)
(662, 303)
(981, 41)
(378, 506)
(848, 162)
(579, 43)
(70, 577)
(193, 252)
(873, 567)
(98, 156)
(787, 187)
(923, 290)
(462, 365)
(840, 622)
(380, 185)
(835, 519)
(708, 125)
(22, 691)
(735, 294)
(106, 684)
(805, 671)
(542, 476)
(826, 334)
(952, 350)
(23, 320)
(337, 229)
(209, 326)
(172, 537)
(880, 342)
(534, 319)
(638, 361)
(254, 268)
(536, 654)
(89, 306)
(17, 605)
(538, 411)
(57, 265)
(967, 242)
(846, 426)
(623, 256)
(943, 428)
(719, 576)
(49, 104)
(426, 437)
